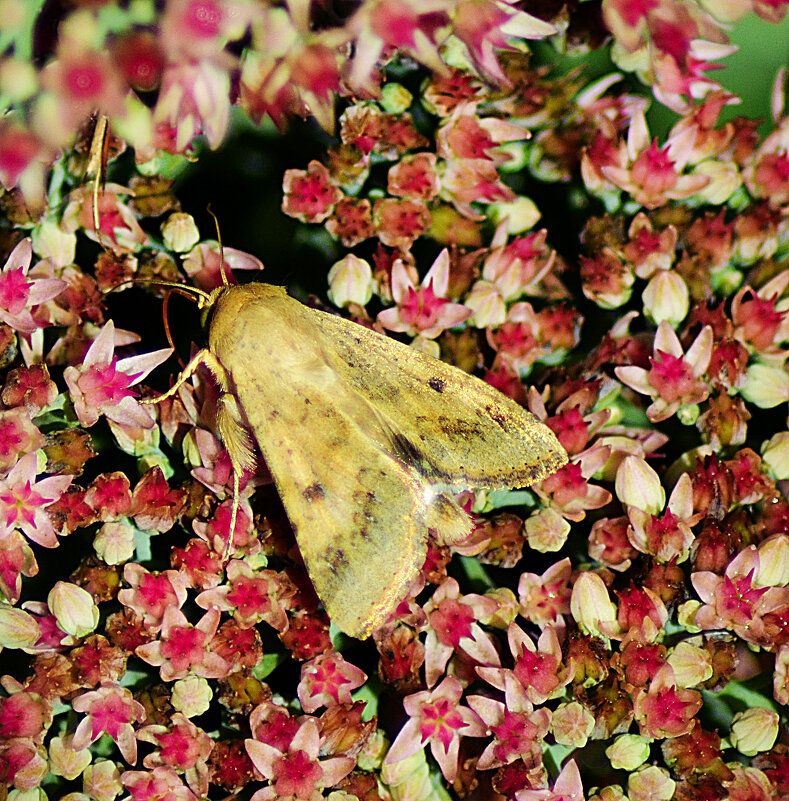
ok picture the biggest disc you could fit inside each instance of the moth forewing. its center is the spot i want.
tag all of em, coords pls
(362, 435)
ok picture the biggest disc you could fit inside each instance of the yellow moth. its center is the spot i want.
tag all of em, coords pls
(366, 439)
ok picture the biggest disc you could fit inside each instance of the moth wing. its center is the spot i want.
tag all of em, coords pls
(457, 428)
(360, 514)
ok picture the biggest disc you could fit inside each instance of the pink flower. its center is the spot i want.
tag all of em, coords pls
(30, 387)
(154, 505)
(759, 324)
(18, 435)
(423, 310)
(328, 680)
(16, 560)
(24, 162)
(183, 649)
(23, 714)
(737, 601)
(152, 594)
(414, 177)
(674, 380)
(655, 174)
(23, 763)
(82, 81)
(205, 264)
(546, 598)
(181, 746)
(118, 225)
(516, 727)
(18, 295)
(569, 489)
(538, 669)
(453, 626)
(486, 25)
(295, 770)
(194, 99)
(160, 784)
(110, 710)
(467, 181)
(437, 717)
(23, 501)
(310, 195)
(102, 383)
(398, 222)
(191, 30)
(408, 25)
(664, 710)
(251, 596)
(669, 536)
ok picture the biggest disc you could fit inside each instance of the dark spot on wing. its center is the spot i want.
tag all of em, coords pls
(438, 384)
(458, 427)
(335, 557)
(501, 420)
(314, 492)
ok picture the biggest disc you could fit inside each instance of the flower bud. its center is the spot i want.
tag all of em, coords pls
(102, 780)
(637, 484)
(572, 724)
(66, 761)
(487, 304)
(546, 531)
(179, 232)
(50, 241)
(766, 385)
(395, 98)
(775, 455)
(508, 609)
(754, 730)
(691, 664)
(18, 629)
(666, 298)
(372, 755)
(18, 78)
(350, 281)
(73, 608)
(191, 696)
(651, 783)
(590, 604)
(521, 214)
(114, 543)
(628, 752)
(774, 562)
(725, 180)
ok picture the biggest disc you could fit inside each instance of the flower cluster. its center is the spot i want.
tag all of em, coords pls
(619, 630)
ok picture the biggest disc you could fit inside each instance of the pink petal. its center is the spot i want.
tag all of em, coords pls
(335, 769)
(45, 289)
(143, 363)
(102, 348)
(20, 257)
(262, 756)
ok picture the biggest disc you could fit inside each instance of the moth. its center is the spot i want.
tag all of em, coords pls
(366, 439)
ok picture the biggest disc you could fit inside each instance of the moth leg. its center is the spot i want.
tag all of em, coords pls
(231, 429)
(239, 447)
(204, 357)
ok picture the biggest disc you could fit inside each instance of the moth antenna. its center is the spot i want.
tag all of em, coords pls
(225, 282)
(166, 320)
(187, 291)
